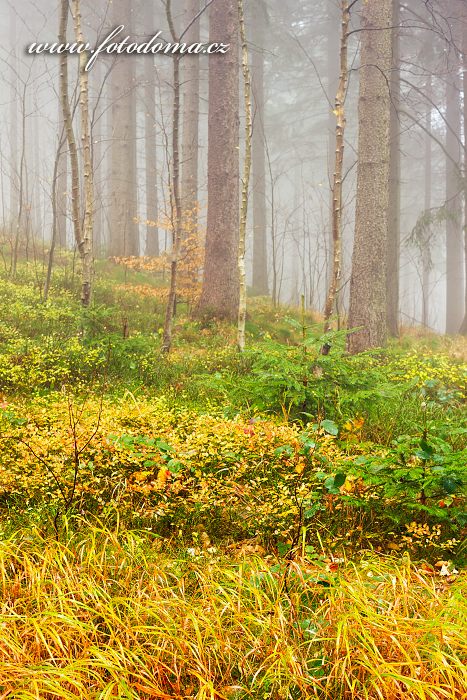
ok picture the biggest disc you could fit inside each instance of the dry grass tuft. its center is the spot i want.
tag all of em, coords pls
(109, 616)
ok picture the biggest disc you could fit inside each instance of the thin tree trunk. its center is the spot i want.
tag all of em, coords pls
(367, 310)
(21, 177)
(55, 216)
(463, 328)
(70, 135)
(175, 198)
(454, 237)
(86, 247)
(62, 178)
(393, 263)
(245, 180)
(260, 253)
(150, 130)
(426, 244)
(191, 73)
(339, 140)
(334, 75)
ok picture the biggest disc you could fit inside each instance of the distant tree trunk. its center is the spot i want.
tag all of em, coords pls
(454, 238)
(260, 254)
(98, 158)
(62, 184)
(463, 328)
(245, 179)
(220, 292)
(14, 115)
(54, 236)
(367, 310)
(393, 261)
(190, 146)
(426, 244)
(339, 143)
(150, 130)
(124, 231)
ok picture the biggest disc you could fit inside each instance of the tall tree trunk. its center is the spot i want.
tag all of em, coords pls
(260, 254)
(150, 130)
(463, 328)
(62, 183)
(245, 180)
(426, 244)
(14, 115)
(190, 67)
(339, 143)
(334, 73)
(124, 231)
(454, 238)
(367, 311)
(86, 247)
(220, 292)
(176, 213)
(68, 125)
(98, 157)
(393, 262)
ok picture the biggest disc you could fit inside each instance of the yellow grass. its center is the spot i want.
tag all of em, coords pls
(109, 615)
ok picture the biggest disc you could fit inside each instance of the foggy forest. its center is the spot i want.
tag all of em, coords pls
(233, 320)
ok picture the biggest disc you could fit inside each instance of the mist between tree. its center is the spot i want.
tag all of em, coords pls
(356, 144)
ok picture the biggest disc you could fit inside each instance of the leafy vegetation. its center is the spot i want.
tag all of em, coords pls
(277, 524)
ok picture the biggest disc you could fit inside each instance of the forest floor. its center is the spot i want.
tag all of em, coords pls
(274, 524)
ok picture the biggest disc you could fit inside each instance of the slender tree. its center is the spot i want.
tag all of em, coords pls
(393, 259)
(367, 309)
(259, 22)
(86, 242)
(190, 141)
(339, 143)
(150, 132)
(176, 204)
(454, 246)
(245, 179)
(220, 291)
(463, 328)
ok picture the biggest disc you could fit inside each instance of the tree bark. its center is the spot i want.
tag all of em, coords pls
(176, 208)
(124, 231)
(260, 254)
(220, 292)
(339, 143)
(150, 130)
(245, 180)
(454, 237)
(190, 146)
(426, 244)
(86, 247)
(463, 328)
(367, 310)
(393, 262)
(68, 124)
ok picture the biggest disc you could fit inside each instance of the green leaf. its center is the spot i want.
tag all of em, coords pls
(450, 484)
(339, 480)
(329, 427)
(174, 466)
